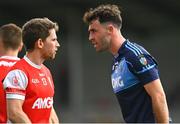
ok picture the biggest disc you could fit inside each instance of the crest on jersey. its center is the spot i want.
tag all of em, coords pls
(143, 60)
(15, 80)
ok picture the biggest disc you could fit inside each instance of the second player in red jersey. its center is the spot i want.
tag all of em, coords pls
(29, 86)
(10, 45)
(32, 84)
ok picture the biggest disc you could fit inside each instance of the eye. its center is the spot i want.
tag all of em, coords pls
(55, 39)
(92, 31)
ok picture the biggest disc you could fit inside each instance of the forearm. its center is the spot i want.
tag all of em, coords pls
(160, 109)
(18, 117)
(53, 117)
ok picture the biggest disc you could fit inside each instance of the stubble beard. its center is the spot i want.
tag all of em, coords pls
(105, 44)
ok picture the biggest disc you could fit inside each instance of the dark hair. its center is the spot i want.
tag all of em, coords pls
(11, 36)
(104, 13)
(36, 28)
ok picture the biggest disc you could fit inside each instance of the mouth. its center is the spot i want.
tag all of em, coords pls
(55, 51)
(94, 44)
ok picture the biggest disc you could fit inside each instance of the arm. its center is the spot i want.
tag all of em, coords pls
(159, 104)
(53, 117)
(15, 112)
(15, 84)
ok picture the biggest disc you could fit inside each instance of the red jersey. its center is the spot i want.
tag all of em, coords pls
(5, 63)
(33, 84)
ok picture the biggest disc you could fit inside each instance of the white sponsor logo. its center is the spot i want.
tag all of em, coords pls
(41, 74)
(35, 81)
(41, 103)
(115, 66)
(4, 63)
(117, 82)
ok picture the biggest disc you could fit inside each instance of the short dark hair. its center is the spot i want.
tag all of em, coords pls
(36, 28)
(104, 13)
(11, 36)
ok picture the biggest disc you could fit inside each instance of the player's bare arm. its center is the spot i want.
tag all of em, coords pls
(15, 112)
(53, 118)
(159, 103)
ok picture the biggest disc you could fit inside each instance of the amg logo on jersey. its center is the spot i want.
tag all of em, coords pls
(117, 82)
(41, 103)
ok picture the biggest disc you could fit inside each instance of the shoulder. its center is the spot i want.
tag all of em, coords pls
(15, 78)
(45, 69)
(135, 52)
(138, 57)
(19, 64)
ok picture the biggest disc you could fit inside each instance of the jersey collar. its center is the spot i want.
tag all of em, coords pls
(31, 63)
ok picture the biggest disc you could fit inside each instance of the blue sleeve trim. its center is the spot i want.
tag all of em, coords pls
(146, 69)
(149, 76)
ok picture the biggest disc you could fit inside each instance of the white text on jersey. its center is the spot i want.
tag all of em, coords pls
(41, 103)
(4, 63)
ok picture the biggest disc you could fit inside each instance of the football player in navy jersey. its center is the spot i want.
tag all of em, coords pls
(135, 78)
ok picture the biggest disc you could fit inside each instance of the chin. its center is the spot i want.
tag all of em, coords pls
(50, 57)
(99, 50)
(53, 57)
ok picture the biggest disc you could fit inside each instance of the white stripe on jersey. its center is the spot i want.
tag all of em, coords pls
(131, 50)
(132, 46)
(14, 96)
(135, 48)
(31, 63)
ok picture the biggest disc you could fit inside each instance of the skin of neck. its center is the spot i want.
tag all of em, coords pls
(8, 52)
(116, 41)
(35, 57)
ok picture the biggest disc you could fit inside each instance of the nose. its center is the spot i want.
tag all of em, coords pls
(90, 37)
(57, 44)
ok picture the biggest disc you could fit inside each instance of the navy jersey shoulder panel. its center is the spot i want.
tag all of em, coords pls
(141, 63)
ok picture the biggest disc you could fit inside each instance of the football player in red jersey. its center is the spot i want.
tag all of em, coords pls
(10, 45)
(29, 84)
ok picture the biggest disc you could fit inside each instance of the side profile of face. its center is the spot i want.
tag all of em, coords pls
(99, 36)
(51, 45)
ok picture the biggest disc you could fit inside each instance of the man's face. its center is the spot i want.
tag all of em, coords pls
(50, 45)
(98, 36)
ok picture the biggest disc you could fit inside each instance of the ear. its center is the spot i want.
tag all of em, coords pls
(110, 28)
(39, 43)
(20, 47)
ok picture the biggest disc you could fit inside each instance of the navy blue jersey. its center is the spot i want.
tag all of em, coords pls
(132, 68)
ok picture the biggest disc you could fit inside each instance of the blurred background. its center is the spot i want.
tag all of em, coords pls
(83, 91)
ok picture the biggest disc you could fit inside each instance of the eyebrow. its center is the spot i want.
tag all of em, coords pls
(92, 29)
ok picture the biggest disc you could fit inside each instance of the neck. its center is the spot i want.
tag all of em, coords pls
(116, 42)
(13, 53)
(35, 57)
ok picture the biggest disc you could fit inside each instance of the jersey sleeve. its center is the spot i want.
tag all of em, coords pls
(144, 66)
(15, 84)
